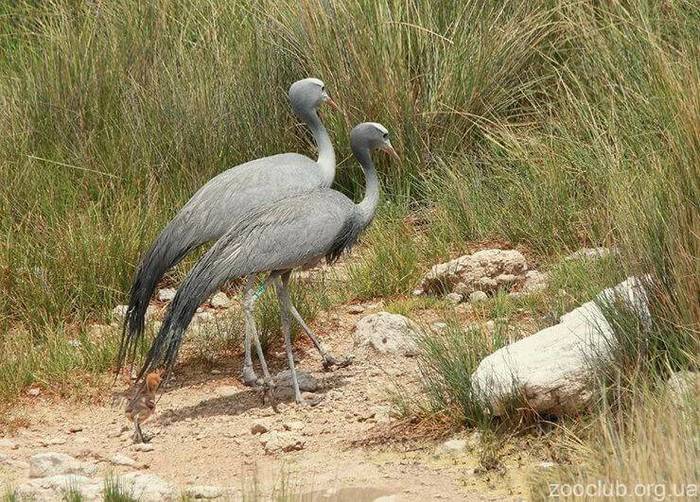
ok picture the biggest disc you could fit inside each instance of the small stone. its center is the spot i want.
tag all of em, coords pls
(439, 326)
(204, 492)
(119, 312)
(478, 296)
(259, 427)
(34, 392)
(53, 441)
(355, 309)
(144, 447)
(121, 459)
(490, 326)
(74, 343)
(74, 429)
(282, 441)
(546, 465)
(220, 300)
(166, 294)
(215, 372)
(454, 298)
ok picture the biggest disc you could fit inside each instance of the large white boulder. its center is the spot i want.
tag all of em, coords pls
(486, 270)
(553, 370)
(387, 333)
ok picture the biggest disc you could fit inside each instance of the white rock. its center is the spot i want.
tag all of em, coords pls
(485, 270)
(34, 392)
(220, 300)
(439, 326)
(552, 369)
(387, 333)
(284, 441)
(478, 296)
(42, 465)
(151, 311)
(143, 447)
(119, 312)
(121, 459)
(306, 381)
(148, 487)
(454, 298)
(204, 492)
(166, 294)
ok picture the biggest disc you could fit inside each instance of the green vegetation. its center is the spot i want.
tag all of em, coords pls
(549, 125)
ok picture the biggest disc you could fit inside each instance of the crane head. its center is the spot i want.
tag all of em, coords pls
(307, 96)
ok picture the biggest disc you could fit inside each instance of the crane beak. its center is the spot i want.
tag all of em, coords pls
(329, 101)
(390, 150)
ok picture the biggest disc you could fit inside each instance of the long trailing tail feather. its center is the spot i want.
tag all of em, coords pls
(166, 252)
(212, 270)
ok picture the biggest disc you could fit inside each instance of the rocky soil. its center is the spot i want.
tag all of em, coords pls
(215, 438)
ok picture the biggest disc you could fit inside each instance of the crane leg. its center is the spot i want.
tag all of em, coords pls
(328, 360)
(285, 311)
(251, 335)
(138, 435)
(249, 376)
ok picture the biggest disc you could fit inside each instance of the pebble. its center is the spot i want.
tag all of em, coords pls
(33, 392)
(145, 447)
(121, 459)
(166, 294)
(220, 300)
(259, 427)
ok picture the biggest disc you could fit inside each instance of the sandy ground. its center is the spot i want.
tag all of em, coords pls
(348, 447)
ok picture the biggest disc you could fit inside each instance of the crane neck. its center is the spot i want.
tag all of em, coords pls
(368, 205)
(326, 155)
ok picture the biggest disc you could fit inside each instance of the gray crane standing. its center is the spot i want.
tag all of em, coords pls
(220, 204)
(297, 231)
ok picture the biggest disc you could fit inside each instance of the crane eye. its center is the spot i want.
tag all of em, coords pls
(323, 87)
(386, 135)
